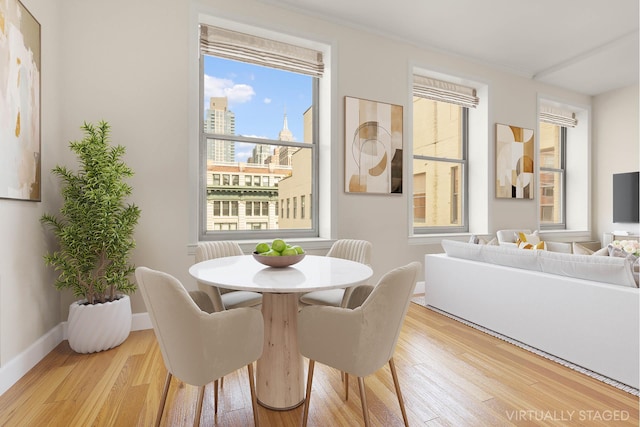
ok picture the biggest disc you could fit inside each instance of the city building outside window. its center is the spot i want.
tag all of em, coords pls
(439, 159)
(440, 150)
(260, 122)
(552, 175)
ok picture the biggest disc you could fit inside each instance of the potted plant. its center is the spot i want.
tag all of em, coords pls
(95, 235)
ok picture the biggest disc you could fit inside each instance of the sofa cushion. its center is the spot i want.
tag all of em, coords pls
(617, 271)
(463, 250)
(511, 257)
(564, 247)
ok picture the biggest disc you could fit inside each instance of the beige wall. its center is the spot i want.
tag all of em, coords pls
(128, 63)
(616, 149)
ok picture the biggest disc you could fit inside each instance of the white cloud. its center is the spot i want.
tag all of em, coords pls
(267, 101)
(236, 93)
(243, 151)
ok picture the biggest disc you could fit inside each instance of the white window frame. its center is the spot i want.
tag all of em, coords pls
(562, 170)
(324, 203)
(464, 183)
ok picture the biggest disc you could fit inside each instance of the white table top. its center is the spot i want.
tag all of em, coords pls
(313, 273)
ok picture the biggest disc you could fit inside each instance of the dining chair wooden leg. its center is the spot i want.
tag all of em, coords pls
(346, 386)
(396, 383)
(215, 397)
(363, 399)
(196, 420)
(254, 400)
(307, 397)
(163, 398)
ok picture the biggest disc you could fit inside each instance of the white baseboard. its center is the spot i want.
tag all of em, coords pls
(140, 322)
(419, 289)
(21, 364)
(17, 367)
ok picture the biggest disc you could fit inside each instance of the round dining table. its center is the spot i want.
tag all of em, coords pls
(280, 370)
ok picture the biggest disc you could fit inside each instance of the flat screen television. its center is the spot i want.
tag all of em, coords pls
(625, 197)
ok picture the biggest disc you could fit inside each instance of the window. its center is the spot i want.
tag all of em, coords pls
(302, 206)
(455, 194)
(295, 207)
(440, 139)
(224, 208)
(555, 123)
(552, 175)
(242, 78)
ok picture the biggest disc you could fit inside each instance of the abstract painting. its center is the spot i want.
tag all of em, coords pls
(19, 103)
(514, 162)
(373, 147)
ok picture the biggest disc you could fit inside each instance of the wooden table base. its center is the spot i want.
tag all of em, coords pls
(280, 370)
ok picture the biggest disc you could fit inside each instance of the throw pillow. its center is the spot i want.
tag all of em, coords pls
(578, 249)
(493, 242)
(530, 241)
(633, 259)
(480, 241)
(523, 237)
(541, 245)
(601, 252)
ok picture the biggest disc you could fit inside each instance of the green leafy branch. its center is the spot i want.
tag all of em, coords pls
(95, 227)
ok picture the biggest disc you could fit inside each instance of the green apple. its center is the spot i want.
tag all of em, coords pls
(262, 248)
(298, 249)
(270, 252)
(278, 245)
(289, 252)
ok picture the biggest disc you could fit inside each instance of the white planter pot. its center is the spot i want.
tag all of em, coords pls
(98, 327)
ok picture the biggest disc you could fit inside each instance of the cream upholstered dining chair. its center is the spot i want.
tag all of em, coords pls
(199, 347)
(224, 298)
(351, 249)
(359, 341)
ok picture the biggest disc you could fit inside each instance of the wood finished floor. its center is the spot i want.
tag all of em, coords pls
(450, 375)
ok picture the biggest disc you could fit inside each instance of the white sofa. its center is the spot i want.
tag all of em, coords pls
(580, 308)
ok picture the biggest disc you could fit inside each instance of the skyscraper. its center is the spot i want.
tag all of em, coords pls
(285, 152)
(219, 119)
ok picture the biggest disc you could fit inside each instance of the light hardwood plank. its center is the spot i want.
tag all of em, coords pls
(450, 375)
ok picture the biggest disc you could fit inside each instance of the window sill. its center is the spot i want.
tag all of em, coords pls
(432, 239)
(309, 244)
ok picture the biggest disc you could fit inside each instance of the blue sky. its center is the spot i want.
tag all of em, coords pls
(258, 96)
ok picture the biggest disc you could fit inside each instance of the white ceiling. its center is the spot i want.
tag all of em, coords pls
(589, 46)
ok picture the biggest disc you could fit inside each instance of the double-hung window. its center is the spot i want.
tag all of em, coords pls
(259, 109)
(440, 147)
(552, 157)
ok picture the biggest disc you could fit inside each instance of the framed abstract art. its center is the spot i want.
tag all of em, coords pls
(514, 162)
(373, 147)
(20, 164)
